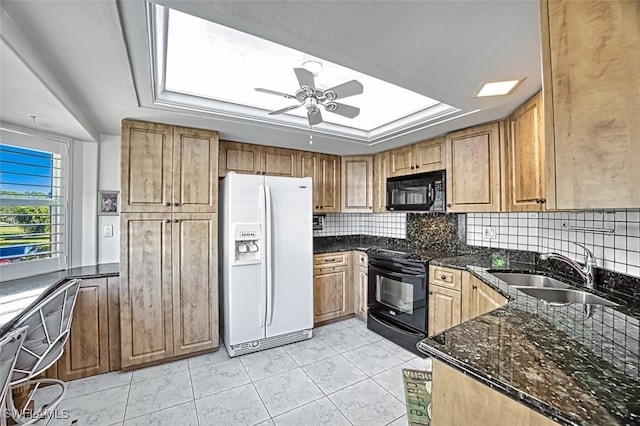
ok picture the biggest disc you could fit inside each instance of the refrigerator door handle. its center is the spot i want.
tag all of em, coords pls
(263, 279)
(268, 260)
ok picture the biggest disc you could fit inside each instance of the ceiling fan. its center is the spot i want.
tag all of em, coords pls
(311, 97)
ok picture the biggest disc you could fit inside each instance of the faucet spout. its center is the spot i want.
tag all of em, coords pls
(586, 271)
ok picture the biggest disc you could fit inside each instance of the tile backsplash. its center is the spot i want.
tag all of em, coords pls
(613, 236)
(391, 225)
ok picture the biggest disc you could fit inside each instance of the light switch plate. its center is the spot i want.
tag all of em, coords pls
(107, 231)
(488, 232)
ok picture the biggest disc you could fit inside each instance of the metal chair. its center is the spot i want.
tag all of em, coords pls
(49, 323)
(10, 345)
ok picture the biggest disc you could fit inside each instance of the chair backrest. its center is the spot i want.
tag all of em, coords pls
(10, 345)
(49, 323)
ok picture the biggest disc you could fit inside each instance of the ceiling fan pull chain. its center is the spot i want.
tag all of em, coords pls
(310, 134)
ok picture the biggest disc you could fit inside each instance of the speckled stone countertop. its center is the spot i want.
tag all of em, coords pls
(17, 296)
(573, 370)
(355, 242)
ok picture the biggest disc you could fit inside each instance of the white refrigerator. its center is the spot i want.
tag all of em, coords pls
(266, 261)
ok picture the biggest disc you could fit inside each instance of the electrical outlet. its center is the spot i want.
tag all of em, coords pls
(488, 232)
(107, 231)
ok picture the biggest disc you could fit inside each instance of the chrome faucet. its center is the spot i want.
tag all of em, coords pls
(586, 271)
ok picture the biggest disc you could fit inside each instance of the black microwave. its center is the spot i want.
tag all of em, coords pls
(421, 192)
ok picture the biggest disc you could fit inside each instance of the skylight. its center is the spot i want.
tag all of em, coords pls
(207, 60)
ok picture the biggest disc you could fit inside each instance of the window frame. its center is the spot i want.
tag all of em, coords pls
(42, 142)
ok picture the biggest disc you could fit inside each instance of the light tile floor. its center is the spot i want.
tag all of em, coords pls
(344, 375)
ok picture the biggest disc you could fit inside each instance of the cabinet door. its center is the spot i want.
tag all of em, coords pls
(195, 170)
(473, 164)
(592, 103)
(279, 162)
(332, 294)
(357, 184)
(195, 288)
(86, 352)
(361, 282)
(401, 161)
(239, 158)
(380, 174)
(145, 288)
(487, 299)
(430, 155)
(444, 309)
(478, 298)
(525, 155)
(146, 167)
(308, 165)
(113, 290)
(329, 176)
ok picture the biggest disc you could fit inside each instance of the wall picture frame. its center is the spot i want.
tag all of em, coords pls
(108, 203)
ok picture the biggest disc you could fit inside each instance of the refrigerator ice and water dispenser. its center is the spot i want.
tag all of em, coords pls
(247, 243)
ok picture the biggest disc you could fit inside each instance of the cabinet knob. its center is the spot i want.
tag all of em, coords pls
(321, 207)
(317, 207)
(176, 204)
(543, 200)
(257, 172)
(449, 205)
(175, 220)
(443, 277)
(412, 167)
(430, 292)
(168, 204)
(167, 220)
(330, 260)
(475, 287)
(264, 173)
(417, 166)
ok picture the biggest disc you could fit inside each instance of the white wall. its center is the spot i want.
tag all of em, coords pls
(83, 183)
(109, 180)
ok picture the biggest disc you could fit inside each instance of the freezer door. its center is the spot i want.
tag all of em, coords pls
(243, 285)
(289, 236)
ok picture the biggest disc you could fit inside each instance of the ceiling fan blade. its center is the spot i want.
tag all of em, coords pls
(314, 116)
(343, 110)
(273, 92)
(305, 78)
(289, 108)
(344, 90)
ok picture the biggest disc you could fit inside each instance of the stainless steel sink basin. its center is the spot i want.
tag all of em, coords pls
(529, 280)
(560, 297)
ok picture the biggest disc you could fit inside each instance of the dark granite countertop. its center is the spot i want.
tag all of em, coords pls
(17, 296)
(575, 371)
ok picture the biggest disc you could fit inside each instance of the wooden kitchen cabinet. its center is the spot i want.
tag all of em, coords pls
(525, 165)
(93, 346)
(324, 169)
(474, 168)
(591, 71)
(478, 298)
(458, 399)
(168, 294)
(380, 174)
(357, 184)
(167, 168)
(257, 159)
(360, 283)
(418, 158)
(332, 287)
(445, 299)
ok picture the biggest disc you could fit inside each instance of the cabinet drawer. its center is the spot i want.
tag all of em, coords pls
(445, 277)
(362, 259)
(330, 260)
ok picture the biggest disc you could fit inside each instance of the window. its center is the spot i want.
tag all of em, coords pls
(32, 205)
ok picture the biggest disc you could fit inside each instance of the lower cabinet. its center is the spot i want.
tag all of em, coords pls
(93, 346)
(360, 284)
(457, 296)
(169, 291)
(332, 286)
(458, 399)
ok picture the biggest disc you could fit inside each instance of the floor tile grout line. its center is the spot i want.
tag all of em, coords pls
(126, 404)
(193, 393)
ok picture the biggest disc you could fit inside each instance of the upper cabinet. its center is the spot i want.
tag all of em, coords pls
(357, 184)
(525, 182)
(591, 75)
(380, 174)
(257, 159)
(168, 168)
(474, 169)
(417, 158)
(324, 169)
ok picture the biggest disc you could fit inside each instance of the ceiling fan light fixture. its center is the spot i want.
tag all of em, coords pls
(313, 67)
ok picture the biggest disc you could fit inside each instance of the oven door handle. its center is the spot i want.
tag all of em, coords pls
(395, 328)
(396, 274)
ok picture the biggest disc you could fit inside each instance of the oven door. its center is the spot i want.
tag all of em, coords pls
(397, 292)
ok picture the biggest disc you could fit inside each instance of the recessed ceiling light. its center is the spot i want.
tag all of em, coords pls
(498, 88)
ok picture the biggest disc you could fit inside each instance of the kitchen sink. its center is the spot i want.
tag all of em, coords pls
(529, 280)
(559, 296)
